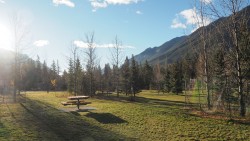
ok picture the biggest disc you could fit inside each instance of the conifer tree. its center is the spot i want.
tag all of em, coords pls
(70, 76)
(177, 77)
(78, 75)
(168, 80)
(107, 78)
(46, 77)
(134, 73)
(126, 75)
(148, 75)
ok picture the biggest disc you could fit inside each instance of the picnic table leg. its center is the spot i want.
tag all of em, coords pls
(78, 103)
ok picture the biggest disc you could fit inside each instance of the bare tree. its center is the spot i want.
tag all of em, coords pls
(237, 32)
(74, 51)
(117, 58)
(202, 18)
(91, 61)
(20, 43)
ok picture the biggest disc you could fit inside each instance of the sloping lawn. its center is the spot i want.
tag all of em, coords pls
(150, 117)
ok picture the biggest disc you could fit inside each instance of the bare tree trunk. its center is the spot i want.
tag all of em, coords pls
(199, 84)
(201, 19)
(238, 62)
(20, 34)
(74, 52)
(91, 61)
(116, 54)
(207, 81)
(240, 79)
(238, 21)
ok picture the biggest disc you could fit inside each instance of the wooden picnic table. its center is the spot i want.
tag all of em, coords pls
(76, 100)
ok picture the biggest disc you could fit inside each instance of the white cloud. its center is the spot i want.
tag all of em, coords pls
(41, 43)
(104, 3)
(138, 12)
(189, 17)
(82, 44)
(177, 24)
(2, 1)
(65, 2)
(207, 1)
(96, 4)
(114, 2)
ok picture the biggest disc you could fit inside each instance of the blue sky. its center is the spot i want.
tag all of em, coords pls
(55, 24)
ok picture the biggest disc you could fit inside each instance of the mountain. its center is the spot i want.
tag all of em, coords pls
(177, 48)
(152, 53)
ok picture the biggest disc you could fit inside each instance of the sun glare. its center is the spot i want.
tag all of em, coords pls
(5, 38)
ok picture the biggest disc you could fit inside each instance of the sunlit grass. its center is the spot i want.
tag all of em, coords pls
(151, 116)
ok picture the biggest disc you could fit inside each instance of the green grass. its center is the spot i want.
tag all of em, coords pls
(152, 116)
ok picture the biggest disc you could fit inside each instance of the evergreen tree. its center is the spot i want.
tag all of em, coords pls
(59, 81)
(78, 75)
(168, 80)
(53, 70)
(126, 75)
(64, 81)
(38, 73)
(158, 78)
(30, 81)
(53, 75)
(57, 68)
(178, 78)
(107, 78)
(148, 75)
(46, 77)
(141, 76)
(99, 78)
(70, 76)
(134, 73)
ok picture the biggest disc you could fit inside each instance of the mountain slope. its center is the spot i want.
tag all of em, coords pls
(151, 53)
(177, 48)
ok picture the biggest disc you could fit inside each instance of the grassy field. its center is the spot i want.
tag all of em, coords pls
(40, 116)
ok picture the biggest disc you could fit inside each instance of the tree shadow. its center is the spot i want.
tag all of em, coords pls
(105, 118)
(238, 121)
(75, 113)
(234, 119)
(66, 125)
(148, 101)
(4, 132)
(113, 98)
(154, 101)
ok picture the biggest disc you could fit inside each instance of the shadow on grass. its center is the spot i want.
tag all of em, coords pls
(106, 118)
(244, 122)
(159, 101)
(67, 126)
(4, 132)
(75, 113)
(149, 101)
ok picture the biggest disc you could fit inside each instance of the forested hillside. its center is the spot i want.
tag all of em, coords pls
(32, 74)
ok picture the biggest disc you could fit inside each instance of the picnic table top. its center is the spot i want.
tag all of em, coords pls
(78, 97)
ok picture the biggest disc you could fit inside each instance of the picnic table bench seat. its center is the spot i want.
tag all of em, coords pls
(75, 102)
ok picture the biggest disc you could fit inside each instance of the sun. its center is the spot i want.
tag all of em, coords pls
(5, 38)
